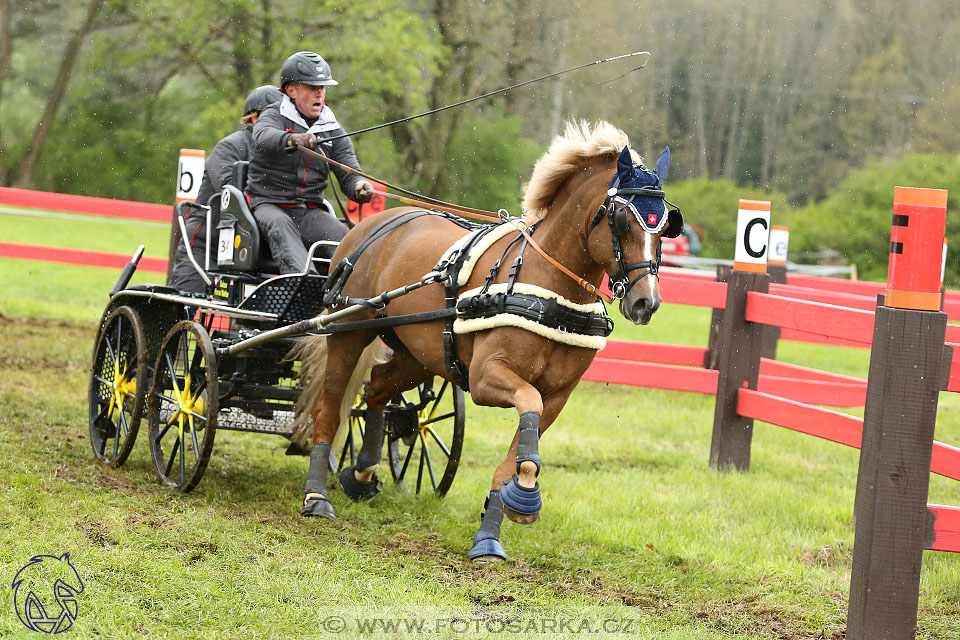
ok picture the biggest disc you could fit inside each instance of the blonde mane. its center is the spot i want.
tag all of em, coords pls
(579, 143)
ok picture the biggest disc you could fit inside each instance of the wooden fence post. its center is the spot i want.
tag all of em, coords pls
(891, 502)
(738, 360)
(737, 343)
(906, 375)
(711, 358)
(771, 334)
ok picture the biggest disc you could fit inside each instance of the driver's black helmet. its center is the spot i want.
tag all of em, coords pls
(306, 67)
(260, 98)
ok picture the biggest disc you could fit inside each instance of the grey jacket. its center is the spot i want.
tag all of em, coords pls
(218, 167)
(278, 177)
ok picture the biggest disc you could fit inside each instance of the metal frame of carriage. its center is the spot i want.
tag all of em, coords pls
(173, 359)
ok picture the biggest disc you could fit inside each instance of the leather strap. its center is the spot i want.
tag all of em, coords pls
(457, 209)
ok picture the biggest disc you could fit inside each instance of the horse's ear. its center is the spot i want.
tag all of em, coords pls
(66, 556)
(625, 162)
(663, 164)
(674, 224)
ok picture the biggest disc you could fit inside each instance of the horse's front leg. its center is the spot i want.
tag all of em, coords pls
(514, 490)
(523, 458)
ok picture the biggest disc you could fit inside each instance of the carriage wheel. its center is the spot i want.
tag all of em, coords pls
(425, 435)
(118, 382)
(182, 406)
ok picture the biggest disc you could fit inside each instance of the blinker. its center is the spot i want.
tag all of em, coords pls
(621, 221)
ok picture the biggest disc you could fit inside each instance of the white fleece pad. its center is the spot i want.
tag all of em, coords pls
(511, 320)
(501, 230)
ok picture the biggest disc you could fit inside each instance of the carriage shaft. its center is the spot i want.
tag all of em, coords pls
(318, 323)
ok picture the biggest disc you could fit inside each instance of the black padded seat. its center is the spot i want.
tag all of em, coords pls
(250, 254)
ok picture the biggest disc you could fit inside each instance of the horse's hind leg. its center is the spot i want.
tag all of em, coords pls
(343, 353)
(400, 373)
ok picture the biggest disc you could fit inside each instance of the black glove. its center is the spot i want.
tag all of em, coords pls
(307, 140)
(363, 192)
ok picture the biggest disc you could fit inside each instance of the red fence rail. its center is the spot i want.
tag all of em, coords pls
(79, 257)
(86, 204)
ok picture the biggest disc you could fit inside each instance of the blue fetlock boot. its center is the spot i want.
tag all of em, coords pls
(522, 505)
(486, 544)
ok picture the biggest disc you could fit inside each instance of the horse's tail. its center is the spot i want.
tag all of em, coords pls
(312, 353)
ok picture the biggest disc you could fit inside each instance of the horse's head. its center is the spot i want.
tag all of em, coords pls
(637, 217)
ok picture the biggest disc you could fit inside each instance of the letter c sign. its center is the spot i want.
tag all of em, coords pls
(753, 225)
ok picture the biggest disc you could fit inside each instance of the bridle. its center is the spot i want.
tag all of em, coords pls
(619, 220)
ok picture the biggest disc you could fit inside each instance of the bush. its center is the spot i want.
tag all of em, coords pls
(855, 217)
(712, 205)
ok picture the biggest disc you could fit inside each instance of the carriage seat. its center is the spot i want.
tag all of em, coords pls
(249, 253)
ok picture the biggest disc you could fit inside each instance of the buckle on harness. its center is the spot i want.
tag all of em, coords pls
(619, 290)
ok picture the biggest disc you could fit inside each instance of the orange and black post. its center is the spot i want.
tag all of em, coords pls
(903, 387)
(739, 343)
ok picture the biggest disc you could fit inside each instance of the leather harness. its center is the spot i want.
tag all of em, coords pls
(545, 311)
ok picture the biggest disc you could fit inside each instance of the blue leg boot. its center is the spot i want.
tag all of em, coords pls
(315, 501)
(521, 504)
(369, 456)
(486, 544)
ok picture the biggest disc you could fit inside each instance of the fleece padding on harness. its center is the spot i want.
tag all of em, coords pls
(491, 236)
(461, 325)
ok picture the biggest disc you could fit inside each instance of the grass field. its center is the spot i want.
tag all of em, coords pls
(637, 534)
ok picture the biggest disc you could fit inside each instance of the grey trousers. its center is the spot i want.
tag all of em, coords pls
(183, 276)
(290, 232)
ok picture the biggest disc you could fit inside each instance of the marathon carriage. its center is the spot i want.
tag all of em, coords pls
(162, 355)
(520, 329)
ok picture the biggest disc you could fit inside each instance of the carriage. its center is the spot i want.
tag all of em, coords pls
(520, 336)
(164, 356)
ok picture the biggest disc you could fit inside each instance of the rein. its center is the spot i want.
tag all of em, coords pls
(457, 209)
(449, 207)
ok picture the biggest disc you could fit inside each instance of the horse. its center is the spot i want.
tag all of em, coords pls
(588, 176)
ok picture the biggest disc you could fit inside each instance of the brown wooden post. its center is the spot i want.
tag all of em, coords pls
(906, 375)
(891, 502)
(189, 177)
(174, 241)
(738, 351)
(711, 358)
(771, 334)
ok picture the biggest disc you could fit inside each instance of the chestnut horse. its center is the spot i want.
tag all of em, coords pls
(590, 220)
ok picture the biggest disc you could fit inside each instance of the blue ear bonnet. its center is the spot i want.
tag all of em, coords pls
(650, 211)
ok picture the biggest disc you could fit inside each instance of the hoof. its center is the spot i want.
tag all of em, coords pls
(487, 550)
(318, 507)
(107, 429)
(356, 490)
(521, 505)
(296, 449)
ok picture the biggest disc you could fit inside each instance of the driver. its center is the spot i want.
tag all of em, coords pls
(217, 171)
(286, 189)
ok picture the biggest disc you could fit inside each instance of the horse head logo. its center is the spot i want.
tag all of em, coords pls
(45, 593)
